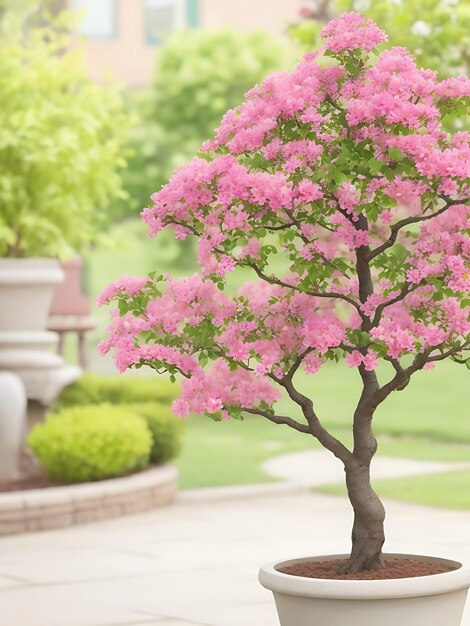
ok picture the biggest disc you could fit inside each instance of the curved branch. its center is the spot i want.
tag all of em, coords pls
(281, 419)
(403, 375)
(297, 363)
(327, 440)
(449, 353)
(406, 289)
(401, 378)
(317, 294)
(396, 228)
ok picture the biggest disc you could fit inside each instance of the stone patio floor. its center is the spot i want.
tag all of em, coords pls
(194, 563)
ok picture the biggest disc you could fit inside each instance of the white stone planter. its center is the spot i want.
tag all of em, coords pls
(436, 600)
(26, 288)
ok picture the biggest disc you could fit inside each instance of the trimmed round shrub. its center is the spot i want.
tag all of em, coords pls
(166, 429)
(96, 389)
(91, 443)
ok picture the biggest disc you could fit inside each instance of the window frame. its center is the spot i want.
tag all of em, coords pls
(187, 16)
(113, 21)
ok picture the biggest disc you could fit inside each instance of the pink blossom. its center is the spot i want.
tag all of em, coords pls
(307, 191)
(128, 285)
(312, 363)
(350, 31)
(180, 408)
(251, 249)
(348, 198)
(370, 361)
(354, 358)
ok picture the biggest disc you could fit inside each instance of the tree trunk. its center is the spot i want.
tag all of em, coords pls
(368, 528)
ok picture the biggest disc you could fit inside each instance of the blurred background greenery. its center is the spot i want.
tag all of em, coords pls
(79, 159)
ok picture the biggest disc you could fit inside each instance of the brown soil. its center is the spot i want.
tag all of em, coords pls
(28, 482)
(394, 568)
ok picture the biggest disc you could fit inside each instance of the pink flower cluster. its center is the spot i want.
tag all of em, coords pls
(126, 284)
(220, 387)
(352, 31)
(368, 360)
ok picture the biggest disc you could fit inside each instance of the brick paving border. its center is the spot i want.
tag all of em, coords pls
(58, 507)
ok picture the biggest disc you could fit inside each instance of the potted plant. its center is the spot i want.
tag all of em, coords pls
(61, 141)
(337, 187)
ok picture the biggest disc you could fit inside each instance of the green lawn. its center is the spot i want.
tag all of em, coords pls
(435, 405)
(450, 490)
(231, 453)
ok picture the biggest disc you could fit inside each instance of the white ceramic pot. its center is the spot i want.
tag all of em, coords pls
(436, 600)
(12, 424)
(26, 288)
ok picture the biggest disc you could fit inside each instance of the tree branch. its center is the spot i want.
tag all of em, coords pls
(401, 378)
(281, 419)
(327, 440)
(295, 366)
(395, 364)
(406, 289)
(451, 352)
(317, 294)
(395, 229)
(403, 375)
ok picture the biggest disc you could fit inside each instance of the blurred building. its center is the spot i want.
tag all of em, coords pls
(123, 36)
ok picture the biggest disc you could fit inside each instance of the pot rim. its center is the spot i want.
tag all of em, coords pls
(434, 584)
(30, 271)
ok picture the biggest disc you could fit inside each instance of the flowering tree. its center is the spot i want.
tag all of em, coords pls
(342, 168)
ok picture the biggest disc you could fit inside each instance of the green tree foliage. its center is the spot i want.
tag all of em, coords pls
(199, 75)
(61, 139)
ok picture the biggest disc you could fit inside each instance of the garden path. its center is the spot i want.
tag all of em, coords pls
(319, 467)
(194, 563)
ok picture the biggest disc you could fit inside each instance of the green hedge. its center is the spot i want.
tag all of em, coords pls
(91, 443)
(166, 429)
(96, 389)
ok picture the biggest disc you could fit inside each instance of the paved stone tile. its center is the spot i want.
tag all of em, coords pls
(165, 622)
(177, 622)
(195, 563)
(8, 583)
(174, 622)
(74, 564)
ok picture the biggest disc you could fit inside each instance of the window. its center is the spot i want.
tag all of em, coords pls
(98, 18)
(164, 16)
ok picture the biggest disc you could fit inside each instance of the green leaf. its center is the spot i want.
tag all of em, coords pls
(375, 166)
(396, 154)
